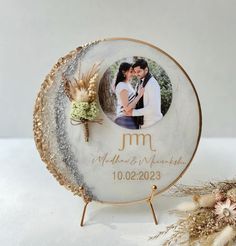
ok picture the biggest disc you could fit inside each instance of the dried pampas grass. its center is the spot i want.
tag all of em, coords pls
(205, 201)
(181, 190)
(225, 236)
(187, 206)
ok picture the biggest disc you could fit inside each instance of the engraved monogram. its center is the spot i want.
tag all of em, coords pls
(134, 138)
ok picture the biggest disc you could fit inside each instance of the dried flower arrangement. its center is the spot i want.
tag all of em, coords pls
(209, 219)
(82, 94)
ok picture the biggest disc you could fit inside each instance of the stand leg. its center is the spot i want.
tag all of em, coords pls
(153, 213)
(86, 199)
(84, 210)
(149, 200)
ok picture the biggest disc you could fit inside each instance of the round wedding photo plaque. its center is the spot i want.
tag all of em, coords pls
(117, 116)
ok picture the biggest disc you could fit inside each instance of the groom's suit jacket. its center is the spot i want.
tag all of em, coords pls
(148, 109)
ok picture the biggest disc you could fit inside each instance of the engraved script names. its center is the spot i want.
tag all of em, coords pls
(138, 141)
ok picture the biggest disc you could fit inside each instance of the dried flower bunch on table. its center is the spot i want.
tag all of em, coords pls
(209, 219)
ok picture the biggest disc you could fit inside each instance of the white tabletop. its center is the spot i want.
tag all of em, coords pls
(36, 210)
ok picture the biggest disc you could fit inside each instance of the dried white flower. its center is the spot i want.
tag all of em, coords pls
(226, 211)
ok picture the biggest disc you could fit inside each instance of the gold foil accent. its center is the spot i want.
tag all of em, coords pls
(39, 138)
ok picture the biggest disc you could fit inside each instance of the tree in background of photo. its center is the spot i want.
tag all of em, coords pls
(165, 84)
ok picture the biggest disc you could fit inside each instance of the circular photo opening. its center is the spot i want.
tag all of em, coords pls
(135, 92)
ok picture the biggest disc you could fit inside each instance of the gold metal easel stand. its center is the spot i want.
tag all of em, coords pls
(149, 200)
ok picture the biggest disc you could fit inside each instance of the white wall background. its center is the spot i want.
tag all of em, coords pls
(200, 34)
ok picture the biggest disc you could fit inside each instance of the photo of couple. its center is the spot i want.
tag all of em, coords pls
(133, 99)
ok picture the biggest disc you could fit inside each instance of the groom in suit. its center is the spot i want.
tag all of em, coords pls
(148, 109)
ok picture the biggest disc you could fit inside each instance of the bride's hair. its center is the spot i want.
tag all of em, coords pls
(124, 67)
